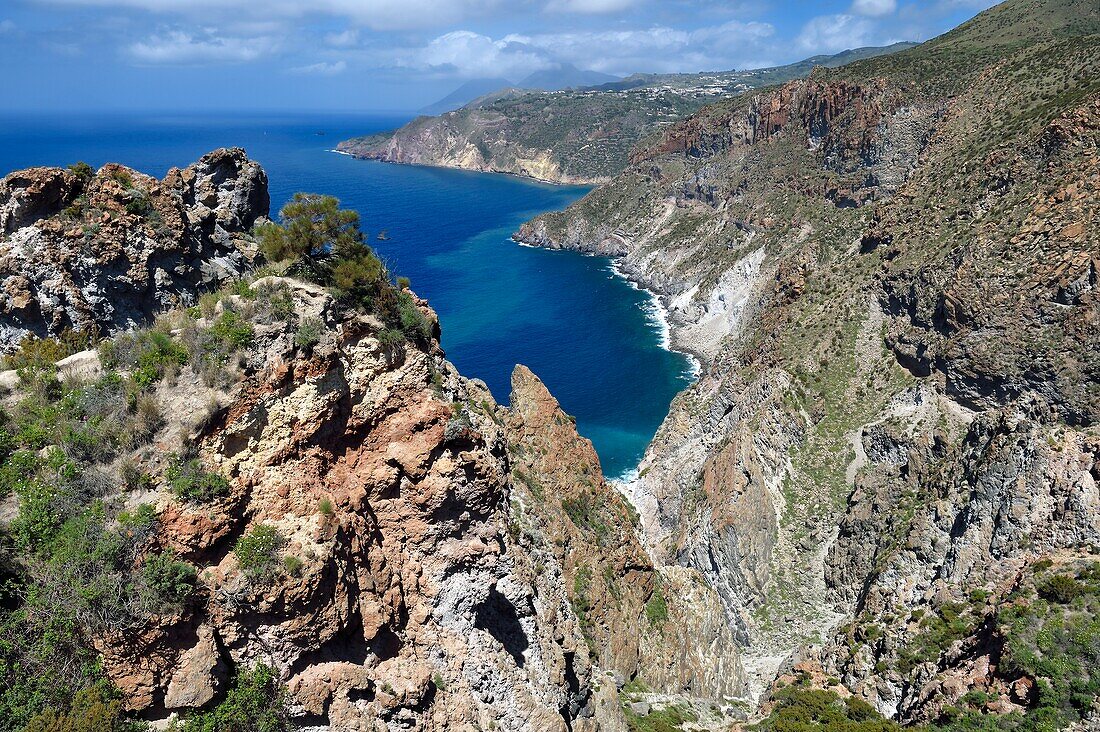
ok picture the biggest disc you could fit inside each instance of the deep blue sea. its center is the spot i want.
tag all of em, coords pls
(587, 333)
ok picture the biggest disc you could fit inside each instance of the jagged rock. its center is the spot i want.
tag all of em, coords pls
(663, 625)
(408, 603)
(106, 254)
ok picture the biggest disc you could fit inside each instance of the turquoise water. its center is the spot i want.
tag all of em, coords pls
(586, 332)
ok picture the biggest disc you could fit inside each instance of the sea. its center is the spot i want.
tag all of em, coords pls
(598, 343)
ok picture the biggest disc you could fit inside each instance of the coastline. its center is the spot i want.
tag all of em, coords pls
(578, 183)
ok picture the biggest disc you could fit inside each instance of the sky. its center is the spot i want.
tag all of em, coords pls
(400, 55)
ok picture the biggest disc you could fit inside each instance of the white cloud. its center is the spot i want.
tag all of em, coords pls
(6, 26)
(323, 68)
(589, 6)
(180, 47)
(470, 55)
(658, 49)
(833, 33)
(874, 8)
(344, 39)
(375, 14)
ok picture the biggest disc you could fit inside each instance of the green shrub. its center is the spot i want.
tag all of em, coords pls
(166, 581)
(656, 607)
(243, 289)
(413, 323)
(94, 709)
(122, 177)
(292, 565)
(82, 171)
(140, 519)
(258, 551)
(139, 203)
(191, 482)
(325, 507)
(256, 703)
(1061, 588)
(16, 469)
(390, 337)
(277, 300)
(669, 719)
(802, 709)
(586, 512)
(229, 333)
(146, 354)
(309, 334)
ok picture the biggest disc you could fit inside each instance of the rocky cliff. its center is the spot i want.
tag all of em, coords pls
(889, 272)
(280, 480)
(104, 251)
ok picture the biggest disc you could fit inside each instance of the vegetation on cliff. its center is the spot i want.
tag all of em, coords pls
(84, 563)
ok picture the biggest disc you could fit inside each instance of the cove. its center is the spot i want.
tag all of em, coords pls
(595, 340)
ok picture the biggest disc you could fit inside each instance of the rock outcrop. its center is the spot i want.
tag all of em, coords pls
(659, 626)
(398, 598)
(103, 253)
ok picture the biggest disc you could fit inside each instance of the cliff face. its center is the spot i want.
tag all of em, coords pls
(390, 593)
(558, 137)
(660, 625)
(888, 270)
(106, 251)
(330, 500)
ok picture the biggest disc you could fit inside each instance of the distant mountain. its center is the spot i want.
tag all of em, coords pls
(463, 95)
(566, 76)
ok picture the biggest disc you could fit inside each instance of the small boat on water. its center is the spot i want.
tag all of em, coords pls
(383, 235)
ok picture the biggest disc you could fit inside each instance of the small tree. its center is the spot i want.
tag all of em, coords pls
(256, 703)
(312, 226)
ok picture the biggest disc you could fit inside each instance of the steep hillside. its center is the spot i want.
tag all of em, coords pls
(284, 500)
(578, 136)
(890, 270)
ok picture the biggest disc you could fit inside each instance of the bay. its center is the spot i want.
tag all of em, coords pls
(596, 341)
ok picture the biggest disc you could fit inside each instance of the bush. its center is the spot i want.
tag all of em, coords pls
(586, 512)
(166, 581)
(656, 607)
(309, 334)
(139, 203)
(82, 171)
(815, 710)
(191, 483)
(229, 334)
(1061, 589)
(258, 550)
(390, 337)
(413, 323)
(255, 704)
(94, 709)
(146, 354)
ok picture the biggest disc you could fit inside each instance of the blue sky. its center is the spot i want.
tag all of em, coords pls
(90, 55)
